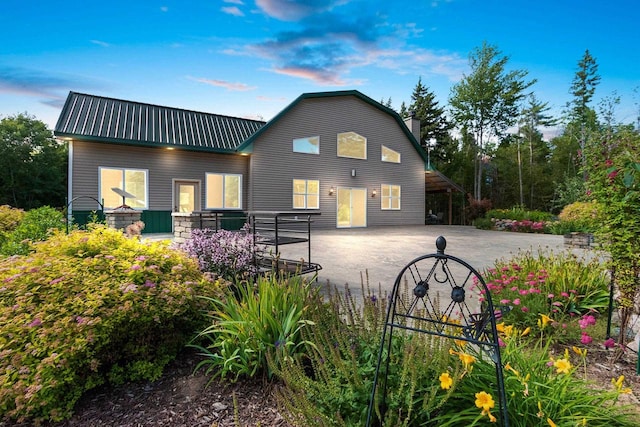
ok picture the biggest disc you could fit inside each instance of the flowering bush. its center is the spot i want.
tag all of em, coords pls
(560, 286)
(88, 308)
(229, 254)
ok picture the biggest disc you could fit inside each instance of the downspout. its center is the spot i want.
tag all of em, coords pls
(70, 183)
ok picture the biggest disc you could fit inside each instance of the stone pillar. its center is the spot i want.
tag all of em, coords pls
(122, 217)
(183, 223)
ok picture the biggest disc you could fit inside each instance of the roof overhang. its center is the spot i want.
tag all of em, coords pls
(436, 182)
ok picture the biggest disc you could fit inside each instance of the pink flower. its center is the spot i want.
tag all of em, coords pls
(513, 289)
(523, 291)
(609, 343)
(564, 294)
(516, 301)
(586, 339)
(524, 309)
(501, 343)
(35, 322)
(505, 301)
(587, 320)
(135, 267)
(551, 296)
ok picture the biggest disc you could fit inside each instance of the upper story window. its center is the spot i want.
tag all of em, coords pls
(390, 198)
(308, 145)
(389, 155)
(133, 181)
(224, 191)
(350, 144)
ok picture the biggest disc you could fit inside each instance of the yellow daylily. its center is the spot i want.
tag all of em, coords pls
(445, 381)
(543, 321)
(563, 366)
(551, 423)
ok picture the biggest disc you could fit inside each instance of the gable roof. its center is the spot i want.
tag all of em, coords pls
(100, 119)
(246, 145)
(436, 182)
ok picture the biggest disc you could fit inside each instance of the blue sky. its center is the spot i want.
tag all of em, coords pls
(251, 58)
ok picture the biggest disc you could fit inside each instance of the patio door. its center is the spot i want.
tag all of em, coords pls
(352, 207)
(186, 196)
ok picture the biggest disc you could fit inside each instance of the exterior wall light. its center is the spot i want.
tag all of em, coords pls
(374, 193)
(353, 172)
(332, 191)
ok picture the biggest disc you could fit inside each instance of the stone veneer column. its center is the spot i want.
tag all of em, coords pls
(122, 217)
(183, 223)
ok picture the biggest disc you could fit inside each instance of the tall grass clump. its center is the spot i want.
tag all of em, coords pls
(251, 322)
(542, 388)
(89, 308)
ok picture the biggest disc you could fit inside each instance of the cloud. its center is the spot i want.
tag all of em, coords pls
(232, 10)
(51, 89)
(235, 87)
(164, 9)
(234, 2)
(100, 43)
(293, 10)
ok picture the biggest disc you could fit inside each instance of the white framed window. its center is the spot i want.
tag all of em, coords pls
(389, 155)
(306, 194)
(350, 144)
(133, 181)
(390, 197)
(308, 145)
(223, 191)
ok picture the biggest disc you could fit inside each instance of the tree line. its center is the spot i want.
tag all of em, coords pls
(489, 138)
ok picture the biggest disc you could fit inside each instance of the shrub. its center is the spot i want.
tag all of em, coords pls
(518, 213)
(36, 225)
(477, 208)
(228, 254)
(250, 323)
(582, 216)
(89, 308)
(10, 218)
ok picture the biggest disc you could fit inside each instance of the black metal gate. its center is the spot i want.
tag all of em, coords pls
(451, 300)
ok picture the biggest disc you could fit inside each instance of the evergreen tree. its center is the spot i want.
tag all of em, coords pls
(434, 126)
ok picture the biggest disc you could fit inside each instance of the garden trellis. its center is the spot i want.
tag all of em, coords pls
(442, 304)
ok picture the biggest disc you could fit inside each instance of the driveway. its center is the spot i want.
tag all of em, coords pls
(347, 254)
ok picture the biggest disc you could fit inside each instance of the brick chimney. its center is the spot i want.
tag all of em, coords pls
(413, 124)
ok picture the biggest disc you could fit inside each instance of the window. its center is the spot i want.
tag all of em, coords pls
(309, 145)
(389, 155)
(224, 191)
(133, 181)
(350, 144)
(306, 194)
(390, 196)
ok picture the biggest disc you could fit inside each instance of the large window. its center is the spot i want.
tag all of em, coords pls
(389, 155)
(306, 194)
(224, 191)
(390, 196)
(309, 145)
(350, 144)
(133, 181)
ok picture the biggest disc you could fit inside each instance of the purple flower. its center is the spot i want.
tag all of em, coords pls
(135, 267)
(149, 284)
(141, 258)
(35, 322)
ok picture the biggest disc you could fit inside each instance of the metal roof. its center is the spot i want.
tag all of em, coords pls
(101, 119)
(436, 182)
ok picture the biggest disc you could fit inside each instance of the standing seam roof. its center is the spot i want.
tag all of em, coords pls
(113, 120)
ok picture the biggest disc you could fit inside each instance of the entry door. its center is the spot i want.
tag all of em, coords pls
(186, 196)
(352, 207)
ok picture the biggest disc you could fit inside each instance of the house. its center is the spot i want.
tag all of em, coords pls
(340, 154)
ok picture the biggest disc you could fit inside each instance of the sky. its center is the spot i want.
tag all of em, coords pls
(251, 58)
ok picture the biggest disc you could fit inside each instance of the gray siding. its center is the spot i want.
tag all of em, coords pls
(163, 165)
(274, 164)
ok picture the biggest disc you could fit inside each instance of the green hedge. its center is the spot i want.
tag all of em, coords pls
(88, 308)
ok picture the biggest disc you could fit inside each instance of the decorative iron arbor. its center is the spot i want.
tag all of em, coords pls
(451, 300)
